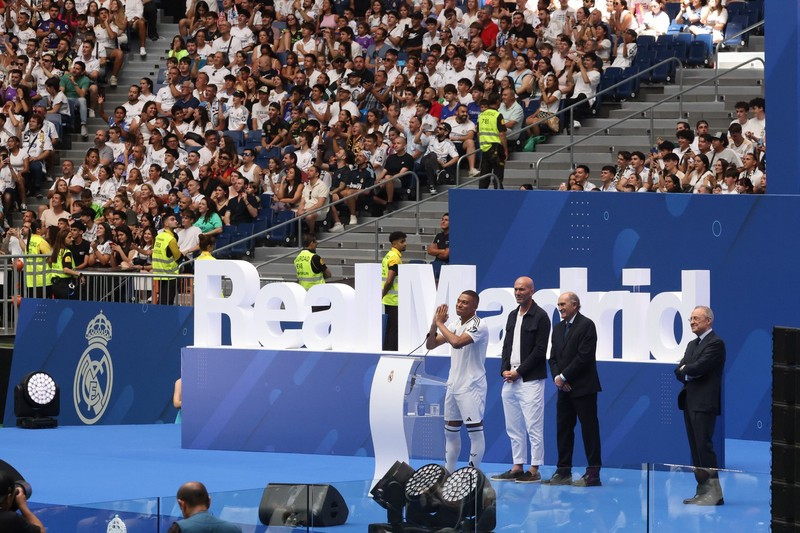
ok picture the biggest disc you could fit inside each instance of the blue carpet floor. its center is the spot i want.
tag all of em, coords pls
(81, 465)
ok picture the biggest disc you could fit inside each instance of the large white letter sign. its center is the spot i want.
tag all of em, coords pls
(369, 309)
(332, 329)
(276, 303)
(210, 305)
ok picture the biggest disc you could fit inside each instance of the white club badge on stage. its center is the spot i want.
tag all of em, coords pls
(116, 525)
(94, 376)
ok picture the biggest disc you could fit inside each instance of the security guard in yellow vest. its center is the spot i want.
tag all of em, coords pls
(492, 140)
(389, 267)
(311, 268)
(165, 261)
(35, 267)
(63, 278)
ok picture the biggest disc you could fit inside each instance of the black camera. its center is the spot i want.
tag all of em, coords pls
(25, 487)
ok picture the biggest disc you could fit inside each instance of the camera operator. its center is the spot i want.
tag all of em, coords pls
(13, 500)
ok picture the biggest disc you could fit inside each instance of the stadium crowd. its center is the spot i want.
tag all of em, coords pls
(269, 109)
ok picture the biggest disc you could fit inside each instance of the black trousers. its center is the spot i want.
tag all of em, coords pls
(569, 410)
(700, 431)
(167, 291)
(390, 337)
(493, 160)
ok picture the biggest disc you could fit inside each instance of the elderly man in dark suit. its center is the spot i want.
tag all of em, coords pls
(700, 371)
(573, 365)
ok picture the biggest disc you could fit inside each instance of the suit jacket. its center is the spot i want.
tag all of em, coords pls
(534, 334)
(702, 375)
(575, 356)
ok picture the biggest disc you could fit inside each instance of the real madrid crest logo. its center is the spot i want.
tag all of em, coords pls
(94, 375)
(116, 525)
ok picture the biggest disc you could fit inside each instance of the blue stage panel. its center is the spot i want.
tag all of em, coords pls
(318, 402)
(114, 363)
(738, 240)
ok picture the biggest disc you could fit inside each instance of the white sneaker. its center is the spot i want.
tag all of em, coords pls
(112, 81)
(474, 172)
(142, 51)
(432, 189)
(91, 113)
(353, 220)
(84, 132)
(23, 207)
(337, 228)
(576, 124)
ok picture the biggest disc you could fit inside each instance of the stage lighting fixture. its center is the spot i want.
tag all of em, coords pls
(36, 401)
(469, 492)
(389, 491)
(424, 498)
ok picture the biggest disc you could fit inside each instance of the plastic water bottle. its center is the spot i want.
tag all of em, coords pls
(421, 406)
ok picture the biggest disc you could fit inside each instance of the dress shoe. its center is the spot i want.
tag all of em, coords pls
(510, 475)
(559, 479)
(587, 481)
(713, 496)
(529, 477)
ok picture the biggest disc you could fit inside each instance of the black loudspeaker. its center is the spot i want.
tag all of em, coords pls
(785, 429)
(287, 504)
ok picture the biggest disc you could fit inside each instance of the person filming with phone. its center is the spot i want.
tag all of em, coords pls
(15, 516)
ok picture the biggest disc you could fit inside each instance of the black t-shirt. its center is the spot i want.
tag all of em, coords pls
(238, 209)
(79, 252)
(414, 39)
(360, 179)
(525, 31)
(394, 163)
(11, 522)
(209, 187)
(442, 242)
(272, 130)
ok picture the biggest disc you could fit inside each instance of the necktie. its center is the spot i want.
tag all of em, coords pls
(566, 329)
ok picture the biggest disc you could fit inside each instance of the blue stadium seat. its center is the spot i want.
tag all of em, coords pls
(674, 28)
(742, 22)
(282, 234)
(708, 40)
(666, 72)
(630, 87)
(531, 107)
(224, 239)
(253, 139)
(665, 42)
(237, 136)
(243, 247)
(730, 40)
(645, 42)
(698, 54)
(681, 46)
(736, 8)
(645, 58)
(162, 76)
(610, 76)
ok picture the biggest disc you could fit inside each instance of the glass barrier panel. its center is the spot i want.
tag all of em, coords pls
(131, 516)
(684, 501)
(239, 507)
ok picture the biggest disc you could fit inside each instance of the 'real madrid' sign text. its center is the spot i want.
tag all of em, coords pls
(353, 322)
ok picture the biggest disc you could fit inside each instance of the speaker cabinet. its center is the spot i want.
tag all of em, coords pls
(287, 504)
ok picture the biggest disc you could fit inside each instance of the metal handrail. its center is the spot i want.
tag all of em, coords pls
(538, 162)
(721, 43)
(491, 176)
(576, 104)
(299, 220)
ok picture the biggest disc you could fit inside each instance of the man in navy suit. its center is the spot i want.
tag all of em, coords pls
(573, 365)
(700, 371)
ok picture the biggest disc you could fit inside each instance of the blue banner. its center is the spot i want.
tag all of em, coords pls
(318, 403)
(114, 363)
(731, 244)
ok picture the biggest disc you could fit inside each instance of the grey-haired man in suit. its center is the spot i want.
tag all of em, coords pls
(573, 364)
(700, 399)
